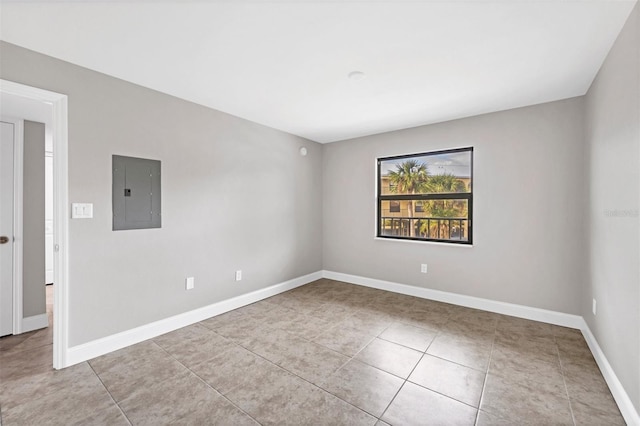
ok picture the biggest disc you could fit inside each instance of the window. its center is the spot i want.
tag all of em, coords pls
(430, 195)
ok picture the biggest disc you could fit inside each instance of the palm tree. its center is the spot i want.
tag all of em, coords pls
(445, 183)
(410, 177)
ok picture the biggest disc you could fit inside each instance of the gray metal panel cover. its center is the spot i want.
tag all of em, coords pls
(136, 193)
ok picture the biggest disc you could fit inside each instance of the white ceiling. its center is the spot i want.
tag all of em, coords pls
(284, 64)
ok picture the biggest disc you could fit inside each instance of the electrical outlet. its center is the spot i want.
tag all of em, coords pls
(423, 268)
(594, 306)
(190, 283)
(238, 275)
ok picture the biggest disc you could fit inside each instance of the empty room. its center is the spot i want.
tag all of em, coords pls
(320, 213)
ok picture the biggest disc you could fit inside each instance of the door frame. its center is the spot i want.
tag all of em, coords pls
(57, 106)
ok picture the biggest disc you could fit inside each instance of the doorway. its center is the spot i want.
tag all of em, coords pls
(40, 105)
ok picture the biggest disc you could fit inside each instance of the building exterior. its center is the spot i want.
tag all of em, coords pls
(397, 218)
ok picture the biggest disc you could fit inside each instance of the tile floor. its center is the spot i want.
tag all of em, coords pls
(327, 353)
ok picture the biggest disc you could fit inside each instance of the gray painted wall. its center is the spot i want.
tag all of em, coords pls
(235, 195)
(33, 296)
(613, 147)
(528, 234)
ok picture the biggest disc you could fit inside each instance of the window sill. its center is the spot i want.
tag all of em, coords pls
(446, 244)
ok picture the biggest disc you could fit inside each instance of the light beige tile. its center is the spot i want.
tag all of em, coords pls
(258, 310)
(574, 364)
(415, 405)
(432, 306)
(297, 302)
(366, 387)
(333, 312)
(469, 330)
(217, 414)
(318, 407)
(182, 335)
(521, 366)
(280, 398)
(79, 378)
(566, 333)
(481, 320)
(590, 388)
(274, 346)
(297, 323)
(42, 337)
(586, 415)
(519, 403)
(139, 366)
(519, 345)
(240, 372)
(226, 319)
(112, 416)
(237, 327)
(15, 365)
(8, 342)
(130, 356)
(346, 340)
(408, 335)
(472, 353)
(195, 345)
(312, 362)
(430, 320)
(183, 399)
(315, 383)
(526, 327)
(390, 357)
(574, 352)
(366, 322)
(453, 380)
(86, 398)
(231, 369)
(486, 419)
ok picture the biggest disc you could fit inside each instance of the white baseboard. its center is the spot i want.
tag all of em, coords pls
(520, 311)
(625, 404)
(34, 322)
(87, 351)
(551, 317)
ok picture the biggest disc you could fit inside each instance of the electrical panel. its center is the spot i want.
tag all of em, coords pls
(136, 193)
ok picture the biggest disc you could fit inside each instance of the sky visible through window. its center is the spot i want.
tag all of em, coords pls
(454, 163)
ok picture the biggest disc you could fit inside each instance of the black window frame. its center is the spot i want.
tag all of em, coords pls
(468, 196)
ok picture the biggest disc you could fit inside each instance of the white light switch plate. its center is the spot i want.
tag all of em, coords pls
(82, 210)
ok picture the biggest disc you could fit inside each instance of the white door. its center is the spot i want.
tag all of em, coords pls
(7, 136)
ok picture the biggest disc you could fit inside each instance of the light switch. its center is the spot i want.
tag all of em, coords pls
(82, 210)
(190, 283)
